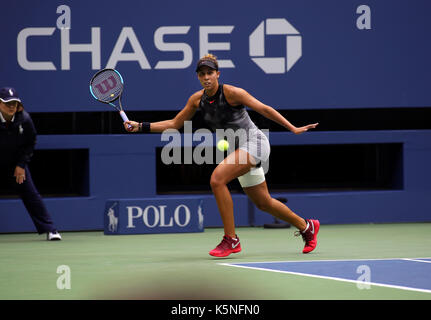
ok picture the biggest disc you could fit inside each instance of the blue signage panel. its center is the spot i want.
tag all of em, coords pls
(289, 54)
(153, 215)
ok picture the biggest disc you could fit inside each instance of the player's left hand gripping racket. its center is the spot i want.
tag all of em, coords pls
(107, 86)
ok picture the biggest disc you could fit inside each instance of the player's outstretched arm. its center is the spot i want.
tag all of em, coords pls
(176, 123)
(240, 96)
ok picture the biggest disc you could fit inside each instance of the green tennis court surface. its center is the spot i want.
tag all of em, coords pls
(91, 265)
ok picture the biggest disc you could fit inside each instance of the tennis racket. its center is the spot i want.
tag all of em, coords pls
(107, 86)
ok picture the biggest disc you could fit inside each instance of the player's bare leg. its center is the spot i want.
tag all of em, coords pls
(234, 165)
(230, 168)
(308, 229)
(260, 196)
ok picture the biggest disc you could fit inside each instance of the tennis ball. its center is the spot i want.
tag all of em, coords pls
(112, 94)
(222, 145)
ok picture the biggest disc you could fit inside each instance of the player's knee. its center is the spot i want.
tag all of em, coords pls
(216, 181)
(264, 204)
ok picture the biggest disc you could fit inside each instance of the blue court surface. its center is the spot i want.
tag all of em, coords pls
(401, 273)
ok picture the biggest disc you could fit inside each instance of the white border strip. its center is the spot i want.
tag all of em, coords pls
(334, 278)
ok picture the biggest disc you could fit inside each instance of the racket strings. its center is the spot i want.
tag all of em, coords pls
(107, 86)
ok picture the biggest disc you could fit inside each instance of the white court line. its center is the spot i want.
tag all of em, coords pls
(417, 260)
(329, 260)
(332, 278)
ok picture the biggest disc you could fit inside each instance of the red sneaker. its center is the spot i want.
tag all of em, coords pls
(227, 246)
(310, 235)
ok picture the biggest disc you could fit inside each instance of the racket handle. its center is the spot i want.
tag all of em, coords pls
(123, 115)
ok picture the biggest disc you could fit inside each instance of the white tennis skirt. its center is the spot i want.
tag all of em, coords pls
(257, 145)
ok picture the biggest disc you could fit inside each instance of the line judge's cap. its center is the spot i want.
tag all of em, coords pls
(206, 62)
(8, 94)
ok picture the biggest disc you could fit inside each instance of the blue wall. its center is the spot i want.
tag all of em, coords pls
(327, 62)
(334, 63)
(124, 166)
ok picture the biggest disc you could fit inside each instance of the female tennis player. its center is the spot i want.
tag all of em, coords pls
(223, 107)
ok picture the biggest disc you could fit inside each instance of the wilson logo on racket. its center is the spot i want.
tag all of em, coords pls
(106, 85)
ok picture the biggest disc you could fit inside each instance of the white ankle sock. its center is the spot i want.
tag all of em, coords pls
(306, 228)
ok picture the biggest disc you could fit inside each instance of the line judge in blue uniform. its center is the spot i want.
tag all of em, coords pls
(223, 107)
(17, 141)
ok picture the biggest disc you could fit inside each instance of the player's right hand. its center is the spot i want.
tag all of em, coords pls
(134, 126)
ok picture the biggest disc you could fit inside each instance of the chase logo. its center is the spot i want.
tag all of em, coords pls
(274, 65)
(26, 54)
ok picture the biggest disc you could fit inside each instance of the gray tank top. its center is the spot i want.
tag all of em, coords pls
(219, 114)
